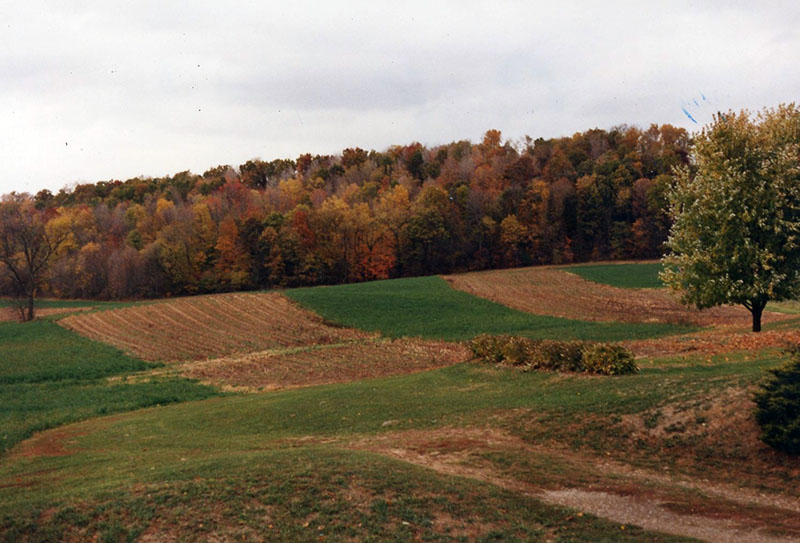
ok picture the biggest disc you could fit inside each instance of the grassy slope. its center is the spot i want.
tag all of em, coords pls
(316, 494)
(228, 449)
(50, 376)
(790, 307)
(428, 307)
(644, 275)
(260, 467)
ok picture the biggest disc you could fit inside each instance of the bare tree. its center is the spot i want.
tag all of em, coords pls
(27, 247)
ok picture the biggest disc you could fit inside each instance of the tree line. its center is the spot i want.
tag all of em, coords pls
(357, 216)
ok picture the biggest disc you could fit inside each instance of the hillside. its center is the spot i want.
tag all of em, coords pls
(356, 429)
(409, 210)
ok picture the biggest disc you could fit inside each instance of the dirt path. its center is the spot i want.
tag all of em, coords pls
(618, 492)
(650, 515)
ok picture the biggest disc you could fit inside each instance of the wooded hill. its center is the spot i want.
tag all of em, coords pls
(362, 215)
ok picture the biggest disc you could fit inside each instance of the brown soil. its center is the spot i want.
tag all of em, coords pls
(51, 443)
(550, 291)
(205, 327)
(631, 496)
(327, 364)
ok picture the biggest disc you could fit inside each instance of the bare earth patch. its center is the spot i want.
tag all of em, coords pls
(211, 326)
(55, 442)
(618, 492)
(550, 291)
(325, 364)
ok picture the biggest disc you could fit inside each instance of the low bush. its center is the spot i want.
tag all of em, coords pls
(518, 351)
(566, 356)
(778, 406)
(559, 355)
(488, 348)
(608, 359)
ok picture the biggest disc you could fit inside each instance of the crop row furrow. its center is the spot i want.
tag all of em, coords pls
(152, 331)
(208, 327)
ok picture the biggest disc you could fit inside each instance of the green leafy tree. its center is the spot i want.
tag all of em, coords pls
(735, 238)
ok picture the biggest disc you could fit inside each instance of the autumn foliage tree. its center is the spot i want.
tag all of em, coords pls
(364, 214)
(28, 245)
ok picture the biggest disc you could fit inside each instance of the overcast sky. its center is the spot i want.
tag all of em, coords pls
(99, 90)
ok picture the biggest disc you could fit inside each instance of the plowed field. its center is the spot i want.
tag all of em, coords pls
(327, 364)
(550, 291)
(205, 327)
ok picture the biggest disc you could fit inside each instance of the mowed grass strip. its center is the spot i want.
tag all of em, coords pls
(427, 307)
(205, 327)
(628, 275)
(50, 376)
(48, 308)
(41, 351)
(54, 303)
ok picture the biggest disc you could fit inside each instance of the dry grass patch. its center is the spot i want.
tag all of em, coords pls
(715, 341)
(206, 327)
(555, 292)
(326, 364)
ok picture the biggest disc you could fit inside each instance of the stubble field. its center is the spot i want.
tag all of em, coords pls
(208, 327)
(563, 293)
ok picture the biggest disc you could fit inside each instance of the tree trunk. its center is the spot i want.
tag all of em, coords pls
(29, 313)
(757, 308)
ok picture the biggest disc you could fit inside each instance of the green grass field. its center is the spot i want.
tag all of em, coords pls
(791, 307)
(50, 376)
(427, 307)
(642, 275)
(232, 461)
(317, 494)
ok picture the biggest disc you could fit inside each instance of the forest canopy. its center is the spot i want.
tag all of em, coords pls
(362, 215)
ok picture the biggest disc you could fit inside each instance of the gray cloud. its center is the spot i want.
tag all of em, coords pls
(95, 90)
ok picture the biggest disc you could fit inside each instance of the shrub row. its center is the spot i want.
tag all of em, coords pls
(567, 356)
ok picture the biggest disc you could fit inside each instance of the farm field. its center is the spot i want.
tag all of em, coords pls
(557, 291)
(58, 308)
(429, 307)
(50, 377)
(324, 364)
(369, 433)
(621, 274)
(208, 327)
